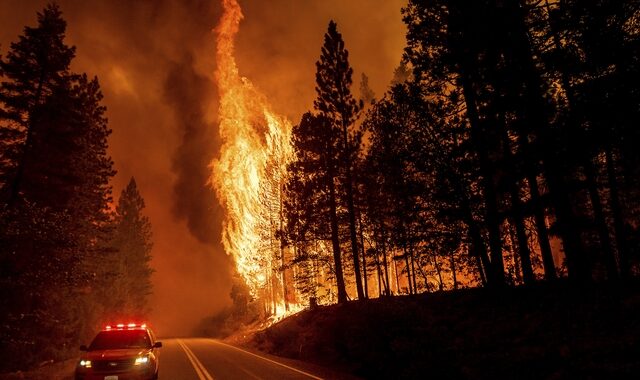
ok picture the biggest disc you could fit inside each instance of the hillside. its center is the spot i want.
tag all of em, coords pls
(546, 332)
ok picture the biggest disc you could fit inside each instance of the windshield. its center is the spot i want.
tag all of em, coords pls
(119, 339)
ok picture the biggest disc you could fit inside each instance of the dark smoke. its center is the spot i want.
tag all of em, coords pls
(194, 201)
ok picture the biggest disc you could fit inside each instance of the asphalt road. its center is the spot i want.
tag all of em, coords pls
(209, 359)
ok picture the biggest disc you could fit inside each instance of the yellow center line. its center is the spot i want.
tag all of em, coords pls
(202, 373)
(270, 361)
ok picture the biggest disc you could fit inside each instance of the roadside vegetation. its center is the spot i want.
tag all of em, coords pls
(69, 259)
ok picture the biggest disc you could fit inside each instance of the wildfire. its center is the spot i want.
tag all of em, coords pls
(250, 172)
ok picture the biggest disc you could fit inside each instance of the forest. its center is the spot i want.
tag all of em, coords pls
(494, 186)
(504, 153)
(70, 258)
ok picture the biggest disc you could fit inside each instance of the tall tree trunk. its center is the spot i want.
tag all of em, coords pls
(364, 258)
(618, 221)
(481, 272)
(378, 272)
(517, 215)
(385, 262)
(439, 272)
(566, 221)
(601, 223)
(408, 268)
(413, 268)
(496, 268)
(524, 252)
(282, 244)
(352, 213)
(577, 264)
(479, 248)
(335, 241)
(541, 225)
(473, 230)
(425, 277)
(454, 272)
(395, 270)
(516, 258)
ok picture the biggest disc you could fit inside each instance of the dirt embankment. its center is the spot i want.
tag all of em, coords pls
(545, 332)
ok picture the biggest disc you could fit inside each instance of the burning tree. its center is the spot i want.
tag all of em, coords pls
(326, 150)
(249, 174)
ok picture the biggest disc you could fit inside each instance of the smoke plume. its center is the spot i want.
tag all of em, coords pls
(187, 91)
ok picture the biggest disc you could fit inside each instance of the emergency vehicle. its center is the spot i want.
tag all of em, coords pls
(120, 352)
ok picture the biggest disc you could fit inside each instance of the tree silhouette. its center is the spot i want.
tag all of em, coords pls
(55, 191)
(534, 81)
(311, 191)
(130, 261)
(338, 106)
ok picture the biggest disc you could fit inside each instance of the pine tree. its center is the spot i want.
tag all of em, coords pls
(37, 67)
(54, 194)
(311, 192)
(337, 105)
(131, 257)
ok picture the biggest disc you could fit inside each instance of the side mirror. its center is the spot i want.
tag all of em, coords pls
(83, 348)
(157, 345)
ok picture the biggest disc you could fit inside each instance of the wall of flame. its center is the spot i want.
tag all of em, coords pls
(249, 174)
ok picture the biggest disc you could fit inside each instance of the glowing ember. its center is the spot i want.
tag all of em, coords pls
(249, 174)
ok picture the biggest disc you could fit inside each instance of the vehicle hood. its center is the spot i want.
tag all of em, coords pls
(115, 354)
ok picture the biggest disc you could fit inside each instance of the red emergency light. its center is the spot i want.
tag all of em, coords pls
(128, 326)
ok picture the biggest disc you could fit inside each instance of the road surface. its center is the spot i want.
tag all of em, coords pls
(209, 359)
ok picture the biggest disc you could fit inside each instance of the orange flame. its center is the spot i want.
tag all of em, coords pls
(251, 169)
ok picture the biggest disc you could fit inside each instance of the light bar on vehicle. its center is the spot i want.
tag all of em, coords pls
(129, 326)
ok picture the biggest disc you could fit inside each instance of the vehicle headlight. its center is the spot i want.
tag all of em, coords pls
(85, 363)
(142, 360)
